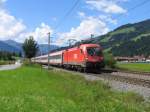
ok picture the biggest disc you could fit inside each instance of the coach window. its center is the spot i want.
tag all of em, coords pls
(55, 57)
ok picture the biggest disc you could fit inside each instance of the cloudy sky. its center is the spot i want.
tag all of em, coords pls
(67, 19)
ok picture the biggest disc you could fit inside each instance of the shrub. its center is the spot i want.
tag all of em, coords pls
(27, 62)
(109, 60)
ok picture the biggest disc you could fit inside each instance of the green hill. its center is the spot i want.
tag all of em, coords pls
(127, 40)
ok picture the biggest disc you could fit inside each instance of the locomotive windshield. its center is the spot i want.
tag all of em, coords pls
(94, 51)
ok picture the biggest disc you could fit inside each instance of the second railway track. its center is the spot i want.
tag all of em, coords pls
(126, 79)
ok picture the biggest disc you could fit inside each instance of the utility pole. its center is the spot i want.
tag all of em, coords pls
(92, 36)
(48, 47)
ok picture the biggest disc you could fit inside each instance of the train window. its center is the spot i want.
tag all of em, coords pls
(55, 57)
(94, 51)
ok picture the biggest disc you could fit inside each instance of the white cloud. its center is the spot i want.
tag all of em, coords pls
(10, 27)
(40, 34)
(107, 6)
(14, 29)
(108, 19)
(105, 17)
(87, 27)
(81, 14)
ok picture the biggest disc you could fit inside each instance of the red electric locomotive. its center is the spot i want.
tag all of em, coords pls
(87, 56)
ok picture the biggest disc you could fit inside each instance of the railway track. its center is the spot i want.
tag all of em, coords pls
(126, 79)
(120, 76)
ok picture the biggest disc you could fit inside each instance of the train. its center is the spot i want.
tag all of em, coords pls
(81, 57)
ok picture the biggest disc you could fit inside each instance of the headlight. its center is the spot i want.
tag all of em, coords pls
(86, 58)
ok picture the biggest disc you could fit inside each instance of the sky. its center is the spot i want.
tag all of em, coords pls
(67, 19)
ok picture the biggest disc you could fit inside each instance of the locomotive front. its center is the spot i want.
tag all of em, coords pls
(93, 56)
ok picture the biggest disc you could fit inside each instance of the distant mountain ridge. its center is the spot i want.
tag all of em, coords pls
(13, 46)
(6, 47)
(127, 40)
(44, 48)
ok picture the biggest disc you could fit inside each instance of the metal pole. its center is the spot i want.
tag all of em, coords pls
(48, 48)
(92, 36)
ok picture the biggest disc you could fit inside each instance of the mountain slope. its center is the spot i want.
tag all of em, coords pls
(13, 46)
(127, 40)
(44, 48)
(6, 47)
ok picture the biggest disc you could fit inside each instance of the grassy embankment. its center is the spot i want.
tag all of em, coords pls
(32, 89)
(139, 67)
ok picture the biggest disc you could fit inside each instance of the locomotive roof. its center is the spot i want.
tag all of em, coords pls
(76, 45)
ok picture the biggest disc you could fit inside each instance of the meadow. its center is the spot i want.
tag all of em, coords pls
(140, 67)
(33, 89)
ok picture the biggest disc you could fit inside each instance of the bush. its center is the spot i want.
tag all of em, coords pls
(109, 60)
(7, 56)
(27, 62)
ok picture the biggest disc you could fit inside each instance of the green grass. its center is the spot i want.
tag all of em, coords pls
(32, 89)
(106, 39)
(140, 67)
(108, 49)
(120, 31)
(125, 30)
(140, 36)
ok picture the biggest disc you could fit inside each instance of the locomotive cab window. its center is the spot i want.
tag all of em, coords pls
(94, 51)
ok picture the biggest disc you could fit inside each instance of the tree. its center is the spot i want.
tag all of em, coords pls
(20, 54)
(30, 47)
